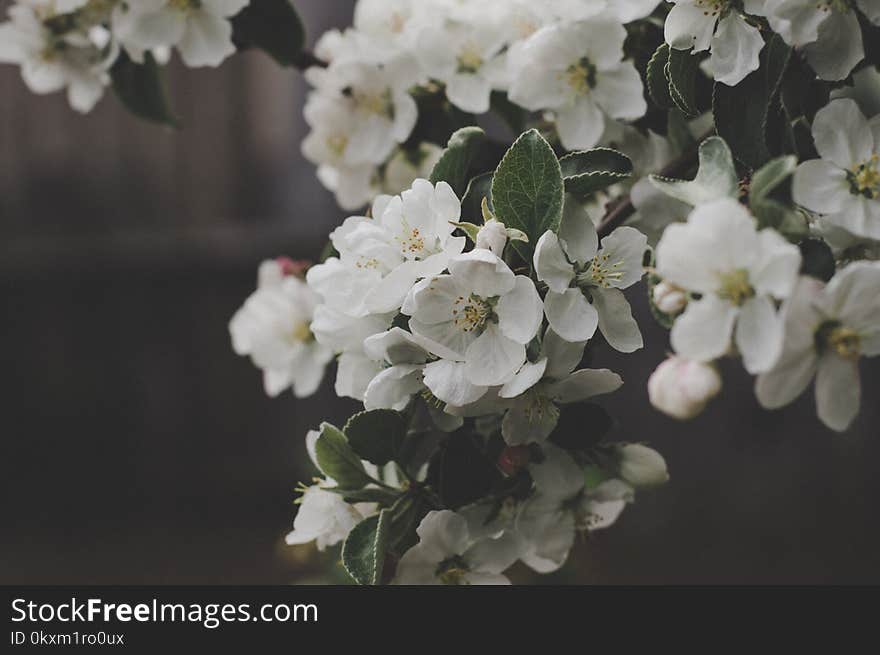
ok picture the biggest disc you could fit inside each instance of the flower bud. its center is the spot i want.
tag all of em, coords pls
(492, 236)
(642, 466)
(295, 267)
(681, 387)
(669, 298)
(513, 459)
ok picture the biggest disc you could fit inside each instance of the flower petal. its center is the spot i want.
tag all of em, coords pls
(570, 315)
(493, 358)
(616, 322)
(584, 384)
(838, 391)
(759, 334)
(703, 331)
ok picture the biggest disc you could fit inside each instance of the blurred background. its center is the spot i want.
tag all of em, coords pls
(137, 448)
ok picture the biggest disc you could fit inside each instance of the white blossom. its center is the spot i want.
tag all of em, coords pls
(447, 554)
(77, 60)
(716, 26)
(585, 281)
(199, 29)
(739, 271)
(828, 328)
(683, 387)
(478, 319)
(669, 298)
(274, 329)
(577, 72)
(844, 185)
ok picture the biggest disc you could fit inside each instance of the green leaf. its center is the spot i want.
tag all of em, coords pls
(376, 435)
(744, 112)
(406, 514)
(456, 160)
(682, 71)
(716, 177)
(478, 188)
(337, 460)
(527, 188)
(817, 260)
(141, 90)
(366, 495)
(272, 26)
(769, 199)
(588, 171)
(658, 83)
(363, 553)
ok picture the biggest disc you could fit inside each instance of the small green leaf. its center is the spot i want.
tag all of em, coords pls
(770, 199)
(456, 160)
(682, 71)
(363, 553)
(273, 26)
(743, 113)
(716, 177)
(366, 495)
(478, 189)
(527, 188)
(469, 229)
(658, 83)
(140, 88)
(588, 171)
(376, 435)
(337, 460)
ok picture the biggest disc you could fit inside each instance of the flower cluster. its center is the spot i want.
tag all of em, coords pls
(73, 44)
(402, 59)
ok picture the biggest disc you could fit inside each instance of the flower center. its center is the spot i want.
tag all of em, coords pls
(374, 103)
(601, 271)
(452, 570)
(844, 341)
(337, 144)
(301, 333)
(580, 76)
(472, 313)
(539, 407)
(864, 178)
(469, 59)
(185, 6)
(735, 286)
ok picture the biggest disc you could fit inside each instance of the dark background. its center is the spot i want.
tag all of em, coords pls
(137, 448)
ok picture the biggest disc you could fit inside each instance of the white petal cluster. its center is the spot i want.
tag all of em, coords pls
(362, 110)
(274, 329)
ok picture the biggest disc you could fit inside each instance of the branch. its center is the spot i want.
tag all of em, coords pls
(624, 209)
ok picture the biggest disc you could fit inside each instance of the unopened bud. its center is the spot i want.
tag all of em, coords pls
(642, 466)
(681, 387)
(492, 236)
(513, 459)
(295, 267)
(669, 298)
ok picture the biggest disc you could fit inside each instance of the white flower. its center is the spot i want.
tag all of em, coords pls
(478, 318)
(828, 31)
(584, 281)
(76, 60)
(375, 111)
(827, 329)
(405, 358)
(410, 237)
(577, 71)
(447, 554)
(273, 327)
(492, 236)
(199, 29)
(683, 387)
(669, 298)
(739, 271)
(844, 184)
(642, 466)
(716, 26)
(537, 390)
(467, 58)
(323, 517)
(406, 166)
(561, 506)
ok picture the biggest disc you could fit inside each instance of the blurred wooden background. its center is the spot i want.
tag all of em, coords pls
(137, 448)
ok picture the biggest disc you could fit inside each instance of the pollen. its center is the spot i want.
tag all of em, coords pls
(375, 103)
(337, 144)
(846, 342)
(602, 271)
(452, 570)
(301, 333)
(864, 178)
(471, 314)
(735, 286)
(580, 76)
(469, 60)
